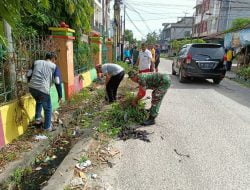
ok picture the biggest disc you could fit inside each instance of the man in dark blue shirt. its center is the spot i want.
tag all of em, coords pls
(157, 57)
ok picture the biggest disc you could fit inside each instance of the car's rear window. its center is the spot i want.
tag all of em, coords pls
(212, 50)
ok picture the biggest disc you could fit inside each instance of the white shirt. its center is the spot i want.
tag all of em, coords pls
(111, 69)
(145, 59)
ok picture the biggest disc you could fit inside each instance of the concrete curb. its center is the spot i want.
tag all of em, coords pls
(65, 171)
(27, 158)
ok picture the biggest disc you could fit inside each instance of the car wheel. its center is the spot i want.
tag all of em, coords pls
(217, 81)
(181, 77)
(173, 71)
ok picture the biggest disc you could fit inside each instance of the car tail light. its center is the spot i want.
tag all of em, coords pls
(225, 57)
(189, 58)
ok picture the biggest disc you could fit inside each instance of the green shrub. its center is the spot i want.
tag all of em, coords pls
(122, 115)
(127, 67)
(244, 72)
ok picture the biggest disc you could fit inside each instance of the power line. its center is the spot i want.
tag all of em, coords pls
(157, 12)
(140, 16)
(232, 1)
(155, 3)
(134, 24)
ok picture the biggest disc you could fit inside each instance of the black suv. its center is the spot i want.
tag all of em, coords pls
(200, 61)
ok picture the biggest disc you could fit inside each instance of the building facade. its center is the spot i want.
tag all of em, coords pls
(231, 10)
(100, 23)
(214, 16)
(174, 31)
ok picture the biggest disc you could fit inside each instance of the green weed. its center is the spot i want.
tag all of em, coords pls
(67, 188)
(11, 156)
(121, 115)
(83, 159)
(84, 94)
(244, 72)
(19, 173)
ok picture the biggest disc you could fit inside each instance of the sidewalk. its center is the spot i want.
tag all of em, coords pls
(231, 75)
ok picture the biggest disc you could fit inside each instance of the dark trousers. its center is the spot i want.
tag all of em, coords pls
(113, 85)
(229, 65)
(43, 101)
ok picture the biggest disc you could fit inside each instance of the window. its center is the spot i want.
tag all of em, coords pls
(183, 51)
(187, 33)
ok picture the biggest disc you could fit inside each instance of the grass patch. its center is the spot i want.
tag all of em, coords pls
(243, 83)
(244, 72)
(18, 176)
(84, 94)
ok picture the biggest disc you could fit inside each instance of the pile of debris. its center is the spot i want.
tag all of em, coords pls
(99, 155)
(132, 133)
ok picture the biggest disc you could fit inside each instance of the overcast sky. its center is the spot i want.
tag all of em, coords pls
(148, 15)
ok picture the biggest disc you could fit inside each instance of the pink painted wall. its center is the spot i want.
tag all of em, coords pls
(78, 83)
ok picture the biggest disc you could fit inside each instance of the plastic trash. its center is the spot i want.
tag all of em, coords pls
(83, 165)
(76, 181)
(41, 137)
(94, 176)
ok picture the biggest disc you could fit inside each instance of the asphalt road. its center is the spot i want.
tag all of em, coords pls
(209, 124)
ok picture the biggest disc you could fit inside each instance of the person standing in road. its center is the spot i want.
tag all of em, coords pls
(159, 83)
(114, 74)
(135, 55)
(41, 77)
(127, 55)
(144, 59)
(131, 52)
(229, 55)
(152, 50)
(157, 57)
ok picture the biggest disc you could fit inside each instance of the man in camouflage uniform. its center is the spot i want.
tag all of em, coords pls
(159, 83)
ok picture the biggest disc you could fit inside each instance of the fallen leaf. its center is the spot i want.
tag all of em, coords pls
(114, 152)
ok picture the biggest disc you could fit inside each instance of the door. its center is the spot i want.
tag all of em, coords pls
(180, 59)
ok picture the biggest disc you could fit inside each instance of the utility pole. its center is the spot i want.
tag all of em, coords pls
(218, 23)
(124, 24)
(103, 17)
(107, 17)
(202, 15)
(123, 31)
(117, 26)
(122, 45)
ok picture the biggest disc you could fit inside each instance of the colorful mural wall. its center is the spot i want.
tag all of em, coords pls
(16, 115)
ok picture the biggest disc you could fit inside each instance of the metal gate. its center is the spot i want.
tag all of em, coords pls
(15, 63)
(83, 57)
(104, 52)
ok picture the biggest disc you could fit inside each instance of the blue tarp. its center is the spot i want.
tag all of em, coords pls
(245, 37)
(228, 40)
(237, 39)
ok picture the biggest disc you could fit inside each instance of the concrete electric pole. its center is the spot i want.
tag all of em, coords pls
(117, 27)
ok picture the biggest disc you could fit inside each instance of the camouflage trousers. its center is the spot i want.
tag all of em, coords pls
(157, 97)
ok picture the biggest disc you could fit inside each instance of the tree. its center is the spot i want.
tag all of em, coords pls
(129, 36)
(35, 16)
(239, 23)
(177, 44)
(152, 38)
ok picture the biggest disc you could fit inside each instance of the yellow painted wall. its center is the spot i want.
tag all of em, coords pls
(15, 117)
(86, 79)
